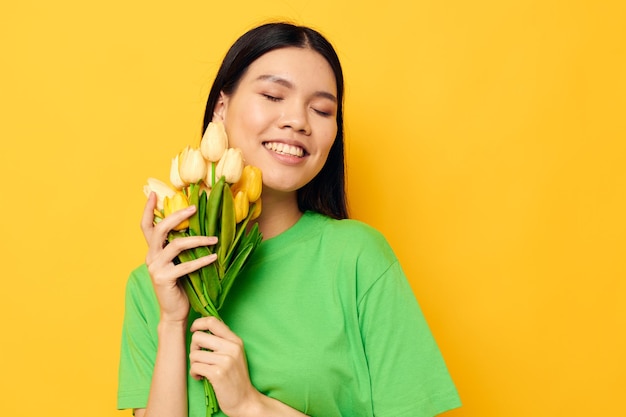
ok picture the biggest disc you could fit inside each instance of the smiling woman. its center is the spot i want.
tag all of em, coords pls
(328, 320)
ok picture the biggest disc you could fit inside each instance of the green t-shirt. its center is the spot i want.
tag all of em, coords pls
(329, 323)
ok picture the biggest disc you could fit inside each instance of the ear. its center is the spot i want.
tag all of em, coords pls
(219, 112)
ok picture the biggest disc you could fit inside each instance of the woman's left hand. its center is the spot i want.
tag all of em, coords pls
(219, 356)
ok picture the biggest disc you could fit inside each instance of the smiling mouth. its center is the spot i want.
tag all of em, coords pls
(285, 149)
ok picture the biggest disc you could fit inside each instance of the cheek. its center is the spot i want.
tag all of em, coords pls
(244, 124)
(251, 113)
(329, 137)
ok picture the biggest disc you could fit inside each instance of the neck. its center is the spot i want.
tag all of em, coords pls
(279, 212)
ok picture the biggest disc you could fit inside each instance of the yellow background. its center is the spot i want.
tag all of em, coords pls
(485, 139)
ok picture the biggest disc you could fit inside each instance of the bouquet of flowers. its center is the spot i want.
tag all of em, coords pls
(227, 196)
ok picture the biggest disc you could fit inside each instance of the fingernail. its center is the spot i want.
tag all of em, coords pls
(191, 208)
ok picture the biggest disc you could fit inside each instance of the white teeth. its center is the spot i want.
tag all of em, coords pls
(284, 149)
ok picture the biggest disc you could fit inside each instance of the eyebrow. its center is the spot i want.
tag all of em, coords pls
(286, 83)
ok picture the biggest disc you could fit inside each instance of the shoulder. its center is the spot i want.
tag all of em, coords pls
(354, 235)
(139, 280)
(357, 250)
(139, 291)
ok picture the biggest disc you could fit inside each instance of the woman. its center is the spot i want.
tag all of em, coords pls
(330, 325)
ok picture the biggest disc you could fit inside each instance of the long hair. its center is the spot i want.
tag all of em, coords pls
(326, 193)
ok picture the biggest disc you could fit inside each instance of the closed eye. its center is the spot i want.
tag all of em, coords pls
(322, 113)
(271, 98)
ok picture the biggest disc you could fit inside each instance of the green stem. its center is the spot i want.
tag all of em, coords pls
(209, 398)
(241, 229)
(194, 220)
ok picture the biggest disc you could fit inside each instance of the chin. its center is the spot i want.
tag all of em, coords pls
(282, 186)
(285, 182)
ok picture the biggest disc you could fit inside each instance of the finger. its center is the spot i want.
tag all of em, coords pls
(202, 341)
(161, 231)
(159, 257)
(173, 220)
(216, 327)
(206, 323)
(199, 370)
(176, 246)
(164, 259)
(213, 350)
(147, 219)
(212, 364)
(189, 242)
(210, 359)
(188, 267)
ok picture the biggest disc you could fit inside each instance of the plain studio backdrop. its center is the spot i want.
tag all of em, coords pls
(485, 139)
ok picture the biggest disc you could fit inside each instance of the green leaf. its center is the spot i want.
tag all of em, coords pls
(233, 271)
(202, 212)
(210, 277)
(214, 208)
(241, 229)
(228, 226)
(194, 277)
(194, 300)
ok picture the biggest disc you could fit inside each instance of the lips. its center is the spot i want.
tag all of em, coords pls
(285, 149)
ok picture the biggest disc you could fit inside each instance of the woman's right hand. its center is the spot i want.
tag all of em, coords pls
(160, 259)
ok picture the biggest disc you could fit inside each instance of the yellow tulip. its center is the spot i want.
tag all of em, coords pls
(175, 203)
(230, 166)
(251, 182)
(241, 206)
(175, 179)
(161, 190)
(214, 142)
(191, 165)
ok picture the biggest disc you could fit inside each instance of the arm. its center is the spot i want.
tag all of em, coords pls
(168, 389)
(416, 382)
(225, 365)
(219, 356)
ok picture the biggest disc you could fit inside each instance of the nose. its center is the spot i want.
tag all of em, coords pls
(296, 118)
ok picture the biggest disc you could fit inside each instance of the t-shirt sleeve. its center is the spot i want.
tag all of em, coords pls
(139, 344)
(408, 375)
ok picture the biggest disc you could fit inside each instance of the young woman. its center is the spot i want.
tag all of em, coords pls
(322, 321)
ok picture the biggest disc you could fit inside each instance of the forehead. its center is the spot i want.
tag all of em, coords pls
(303, 67)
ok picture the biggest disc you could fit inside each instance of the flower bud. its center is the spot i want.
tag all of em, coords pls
(175, 203)
(214, 142)
(241, 206)
(251, 182)
(230, 166)
(175, 176)
(159, 188)
(191, 165)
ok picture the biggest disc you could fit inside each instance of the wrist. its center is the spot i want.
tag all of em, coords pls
(253, 406)
(262, 405)
(169, 325)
